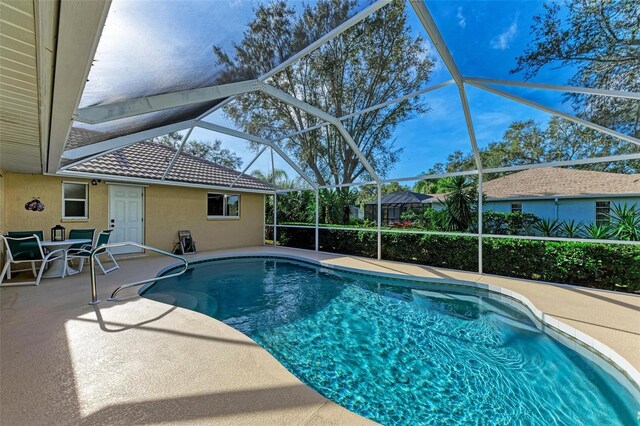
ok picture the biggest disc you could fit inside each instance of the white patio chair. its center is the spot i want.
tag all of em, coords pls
(28, 250)
(85, 253)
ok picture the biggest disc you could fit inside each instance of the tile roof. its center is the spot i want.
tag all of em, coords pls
(149, 160)
(551, 181)
(537, 183)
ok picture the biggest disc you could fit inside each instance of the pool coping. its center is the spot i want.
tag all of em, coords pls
(587, 346)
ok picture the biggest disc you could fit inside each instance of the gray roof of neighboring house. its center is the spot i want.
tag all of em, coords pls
(552, 181)
(149, 160)
(408, 197)
(538, 183)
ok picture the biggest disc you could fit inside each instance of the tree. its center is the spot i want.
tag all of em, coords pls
(372, 62)
(602, 40)
(527, 142)
(460, 202)
(369, 193)
(208, 150)
(278, 176)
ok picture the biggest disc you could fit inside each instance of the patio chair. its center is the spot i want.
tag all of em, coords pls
(85, 253)
(80, 234)
(185, 243)
(28, 250)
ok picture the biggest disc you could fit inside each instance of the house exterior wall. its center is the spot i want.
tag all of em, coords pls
(171, 208)
(583, 209)
(21, 188)
(167, 209)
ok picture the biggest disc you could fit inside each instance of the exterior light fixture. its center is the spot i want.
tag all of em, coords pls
(57, 233)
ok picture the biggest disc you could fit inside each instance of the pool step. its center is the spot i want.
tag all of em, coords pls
(513, 323)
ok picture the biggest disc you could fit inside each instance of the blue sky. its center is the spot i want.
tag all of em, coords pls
(149, 45)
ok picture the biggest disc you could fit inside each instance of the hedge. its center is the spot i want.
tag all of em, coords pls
(605, 266)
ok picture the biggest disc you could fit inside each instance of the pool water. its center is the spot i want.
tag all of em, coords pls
(401, 352)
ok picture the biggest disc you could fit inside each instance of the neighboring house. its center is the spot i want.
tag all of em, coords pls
(395, 204)
(356, 212)
(546, 192)
(131, 199)
(562, 194)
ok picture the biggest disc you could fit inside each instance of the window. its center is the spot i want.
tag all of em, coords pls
(223, 205)
(516, 207)
(75, 204)
(603, 212)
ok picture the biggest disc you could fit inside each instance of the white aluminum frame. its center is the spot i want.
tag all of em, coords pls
(100, 148)
(224, 215)
(554, 87)
(244, 171)
(130, 108)
(230, 91)
(177, 154)
(85, 200)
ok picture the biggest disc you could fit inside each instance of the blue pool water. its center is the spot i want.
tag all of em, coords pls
(403, 352)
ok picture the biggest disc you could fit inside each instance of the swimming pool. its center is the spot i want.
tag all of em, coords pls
(403, 352)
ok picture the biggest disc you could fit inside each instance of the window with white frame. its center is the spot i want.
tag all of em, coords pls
(223, 205)
(516, 207)
(75, 200)
(603, 212)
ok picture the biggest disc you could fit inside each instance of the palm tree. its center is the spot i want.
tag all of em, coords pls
(278, 177)
(460, 202)
(598, 232)
(547, 227)
(625, 221)
(571, 229)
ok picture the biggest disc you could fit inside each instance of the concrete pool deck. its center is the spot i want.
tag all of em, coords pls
(137, 361)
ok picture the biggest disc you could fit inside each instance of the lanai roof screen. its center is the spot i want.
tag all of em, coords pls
(153, 47)
(353, 92)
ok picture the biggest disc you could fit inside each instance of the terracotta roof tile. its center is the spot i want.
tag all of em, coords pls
(149, 160)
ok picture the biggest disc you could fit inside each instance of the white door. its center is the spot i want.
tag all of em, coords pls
(126, 216)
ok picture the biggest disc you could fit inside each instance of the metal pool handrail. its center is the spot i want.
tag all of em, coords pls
(101, 248)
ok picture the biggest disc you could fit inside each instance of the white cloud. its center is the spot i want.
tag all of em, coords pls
(462, 21)
(502, 40)
(431, 52)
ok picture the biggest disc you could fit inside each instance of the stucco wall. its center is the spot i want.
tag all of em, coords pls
(568, 209)
(20, 188)
(167, 209)
(170, 208)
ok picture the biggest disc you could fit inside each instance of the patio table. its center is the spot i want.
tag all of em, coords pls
(57, 266)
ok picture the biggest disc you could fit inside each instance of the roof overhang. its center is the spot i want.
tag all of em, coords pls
(27, 57)
(81, 24)
(133, 180)
(561, 197)
(46, 50)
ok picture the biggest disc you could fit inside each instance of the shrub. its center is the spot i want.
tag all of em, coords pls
(571, 229)
(605, 266)
(436, 250)
(547, 227)
(304, 238)
(403, 224)
(498, 223)
(357, 243)
(597, 232)
(625, 221)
